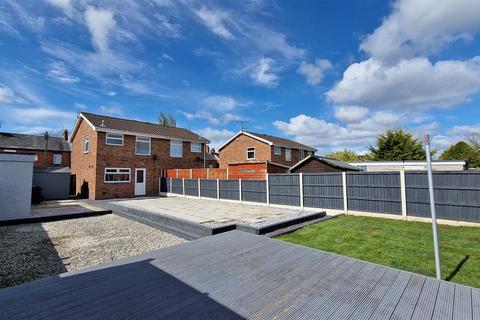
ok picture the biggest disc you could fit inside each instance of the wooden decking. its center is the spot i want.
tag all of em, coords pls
(238, 275)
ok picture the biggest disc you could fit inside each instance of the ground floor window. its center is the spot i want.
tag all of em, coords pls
(117, 175)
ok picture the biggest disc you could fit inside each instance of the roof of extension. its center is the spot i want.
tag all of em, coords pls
(330, 161)
(134, 127)
(32, 142)
(271, 140)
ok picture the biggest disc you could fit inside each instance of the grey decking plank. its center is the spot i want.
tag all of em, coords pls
(390, 299)
(426, 301)
(364, 310)
(444, 303)
(462, 306)
(406, 305)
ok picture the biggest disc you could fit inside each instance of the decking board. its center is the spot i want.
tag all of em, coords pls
(237, 275)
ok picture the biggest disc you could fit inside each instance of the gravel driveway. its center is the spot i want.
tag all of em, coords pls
(37, 250)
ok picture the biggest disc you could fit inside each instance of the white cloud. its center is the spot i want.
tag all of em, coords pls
(8, 96)
(413, 83)
(314, 72)
(167, 27)
(421, 28)
(222, 119)
(100, 23)
(350, 114)
(39, 115)
(80, 106)
(326, 135)
(217, 137)
(65, 5)
(111, 110)
(216, 21)
(58, 71)
(263, 74)
(222, 103)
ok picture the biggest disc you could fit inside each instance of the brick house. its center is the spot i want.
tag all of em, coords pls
(114, 157)
(57, 148)
(248, 147)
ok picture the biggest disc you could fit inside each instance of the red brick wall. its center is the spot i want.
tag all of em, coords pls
(236, 151)
(40, 163)
(83, 164)
(281, 158)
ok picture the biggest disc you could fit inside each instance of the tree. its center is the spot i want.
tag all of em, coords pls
(398, 145)
(166, 120)
(462, 151)
(474, 141)
(344, 155)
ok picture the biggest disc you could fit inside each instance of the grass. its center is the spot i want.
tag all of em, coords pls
(403, 245)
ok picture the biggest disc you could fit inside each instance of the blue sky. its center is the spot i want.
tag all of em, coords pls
(331, 74)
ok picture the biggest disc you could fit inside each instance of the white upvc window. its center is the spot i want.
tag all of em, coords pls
(302, 154)
(114, 139)
(176, 149)
(117, 175)
(86, 145)
(143, 146)
(251, 153)
(288, 154)
(277, 150)
(57, 158)
(196, 147)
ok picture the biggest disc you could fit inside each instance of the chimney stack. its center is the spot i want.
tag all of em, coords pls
(65, 134)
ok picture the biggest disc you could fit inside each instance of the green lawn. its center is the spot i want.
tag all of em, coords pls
(398, 244)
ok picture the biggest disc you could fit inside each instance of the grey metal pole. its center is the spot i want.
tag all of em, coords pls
(432, 207)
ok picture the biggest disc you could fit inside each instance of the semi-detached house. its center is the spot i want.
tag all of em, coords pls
(114, 157)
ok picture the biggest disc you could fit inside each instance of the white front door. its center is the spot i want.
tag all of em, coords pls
(140, 181)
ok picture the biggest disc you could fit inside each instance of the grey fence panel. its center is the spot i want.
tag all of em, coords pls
(54, 185)
(323, 190)
(177, 186)
(457, 195)
(229, 189)
(208, 188)
(284, 189)
(254, 190)
(374, 192)
(191, 187)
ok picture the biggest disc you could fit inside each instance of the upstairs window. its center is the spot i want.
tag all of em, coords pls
(196, 147)
(176, 148)
(57, 158)
(250, 153)
(86, 145)
(288, 154)
(302, 154)
(143, 146)
(114, 139)
(277, 150)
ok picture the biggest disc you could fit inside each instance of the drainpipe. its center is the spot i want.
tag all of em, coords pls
(46, 148)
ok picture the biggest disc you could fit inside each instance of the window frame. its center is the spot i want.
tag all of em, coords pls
(288, 154)
(53, 159)
(275, 149)
(114, 138)
(302, 154)
(118, 172)
(86, 145)
(254, 153)
(172, 143)
(147, 139)
(196, 144)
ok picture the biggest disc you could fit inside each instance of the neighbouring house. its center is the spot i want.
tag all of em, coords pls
(379, 166)
(252, 155)
(114, 157)
(54, 151)
(315, 164)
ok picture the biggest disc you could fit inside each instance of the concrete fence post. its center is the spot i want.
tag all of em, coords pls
(183, 186)
(240, 189)
(344, 189)
(268, 189)
(228, 173)
(176, 171)
(300, 178)
(171, 186)
(191, 173)
(218, 189)
(208, 173)
(199, 187)
(403, 194)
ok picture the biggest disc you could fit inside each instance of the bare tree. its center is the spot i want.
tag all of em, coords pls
(474, 141)
(166, 120)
